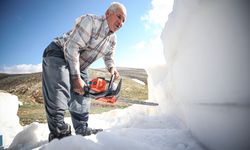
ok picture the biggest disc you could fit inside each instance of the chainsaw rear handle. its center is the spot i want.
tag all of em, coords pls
(112, 79)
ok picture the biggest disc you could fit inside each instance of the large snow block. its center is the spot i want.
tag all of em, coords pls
(207, 51)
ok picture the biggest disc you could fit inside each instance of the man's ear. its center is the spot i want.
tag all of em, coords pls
(107, 14)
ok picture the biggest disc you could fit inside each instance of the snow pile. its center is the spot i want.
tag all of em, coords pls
(32, 136)
(137, 127)
(139, 81)
(9, 121)
(132, 128)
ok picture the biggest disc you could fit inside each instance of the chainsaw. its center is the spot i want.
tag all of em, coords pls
(104, 90)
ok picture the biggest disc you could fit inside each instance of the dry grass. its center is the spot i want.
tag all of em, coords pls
(28, 89)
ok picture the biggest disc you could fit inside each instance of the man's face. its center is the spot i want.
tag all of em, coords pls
(115, 20)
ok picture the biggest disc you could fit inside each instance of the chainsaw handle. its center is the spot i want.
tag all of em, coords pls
(112, 79)
(86, 89)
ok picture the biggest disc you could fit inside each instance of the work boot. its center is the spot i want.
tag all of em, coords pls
(60, 132)
(86, 131)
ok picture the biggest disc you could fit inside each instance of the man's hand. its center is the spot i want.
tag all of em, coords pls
(113, 71)
(78, 85)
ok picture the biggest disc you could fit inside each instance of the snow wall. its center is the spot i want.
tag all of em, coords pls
(207, 76)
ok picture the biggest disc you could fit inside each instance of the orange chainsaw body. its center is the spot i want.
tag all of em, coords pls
(98, 85)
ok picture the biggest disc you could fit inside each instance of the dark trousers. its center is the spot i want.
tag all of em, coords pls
(57, 92)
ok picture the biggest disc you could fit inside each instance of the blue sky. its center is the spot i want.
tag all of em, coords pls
(28, 26)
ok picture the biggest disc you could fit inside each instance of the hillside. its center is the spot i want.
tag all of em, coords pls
(28, 88)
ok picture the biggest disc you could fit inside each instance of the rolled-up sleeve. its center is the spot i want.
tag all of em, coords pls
(78, 39)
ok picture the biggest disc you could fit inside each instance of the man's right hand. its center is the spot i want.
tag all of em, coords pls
(78, 85)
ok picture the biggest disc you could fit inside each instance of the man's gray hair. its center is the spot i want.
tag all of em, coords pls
(115, 5)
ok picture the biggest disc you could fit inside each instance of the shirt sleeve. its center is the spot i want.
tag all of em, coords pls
(77, 40)
(109, 57)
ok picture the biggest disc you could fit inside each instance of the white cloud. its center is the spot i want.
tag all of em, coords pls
(140, 45)
(149, 51)
(158, 15)
(22, 68)
(145, 54)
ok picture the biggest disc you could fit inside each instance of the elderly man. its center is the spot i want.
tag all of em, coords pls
(65, 63)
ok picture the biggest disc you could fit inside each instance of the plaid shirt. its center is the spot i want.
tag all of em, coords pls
(89, 40)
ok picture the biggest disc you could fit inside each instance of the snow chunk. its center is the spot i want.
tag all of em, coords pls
(139, 81)
(9, 121)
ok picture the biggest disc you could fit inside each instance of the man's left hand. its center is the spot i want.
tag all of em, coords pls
(113, 71)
